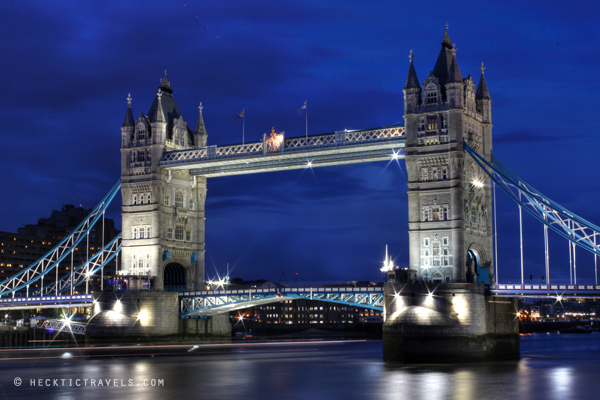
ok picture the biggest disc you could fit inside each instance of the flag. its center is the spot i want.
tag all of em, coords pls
(303, 106)
(240, 115)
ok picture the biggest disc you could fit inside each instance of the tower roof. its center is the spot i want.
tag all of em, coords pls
(482, 90)
(129, 121)
(412, 82)
(200, 128)
(444, 60)
(454, 75)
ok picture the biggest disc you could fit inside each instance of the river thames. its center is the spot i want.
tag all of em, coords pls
(552, 366)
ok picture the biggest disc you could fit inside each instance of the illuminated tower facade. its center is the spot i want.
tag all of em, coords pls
(449, 196)
(163, 211)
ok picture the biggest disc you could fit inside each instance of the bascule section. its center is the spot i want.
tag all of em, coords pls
(163, 211)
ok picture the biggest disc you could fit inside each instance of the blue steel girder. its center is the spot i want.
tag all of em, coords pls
(52, 259)
(85, 270)
(562, 221)
(344, 147)
(222, 301)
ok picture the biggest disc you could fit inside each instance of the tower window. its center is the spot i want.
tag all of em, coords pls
(169, 233)
(141, 134)
(188, 235)
(179, 232)
(191, 204)
(167, 200)
(179, 199)
(431, 97)
(432, 123)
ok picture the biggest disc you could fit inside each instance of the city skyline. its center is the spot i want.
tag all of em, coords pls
(69, 82)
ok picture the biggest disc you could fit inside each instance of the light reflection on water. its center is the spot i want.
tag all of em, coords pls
(552, 367)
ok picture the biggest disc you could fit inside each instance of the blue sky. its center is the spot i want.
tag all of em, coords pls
(67, 69)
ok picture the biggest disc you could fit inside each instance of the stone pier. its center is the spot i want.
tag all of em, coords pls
(448, 323)
(147, 316)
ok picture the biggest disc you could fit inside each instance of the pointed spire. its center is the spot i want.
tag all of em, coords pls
(160, 115)
(482, 90)
(412, 82)
(454, 75)
(200, 128)
(129, 121)
(447, 39)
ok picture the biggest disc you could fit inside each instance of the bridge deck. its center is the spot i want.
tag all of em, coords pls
(277, 153)
(544, 291)
(82, 300)
(212, 302)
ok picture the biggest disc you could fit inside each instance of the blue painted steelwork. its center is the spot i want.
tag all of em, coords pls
(80, 300)
(544, 291)
(95, 263)
(52, 259)
(212, 302)
(562, 221)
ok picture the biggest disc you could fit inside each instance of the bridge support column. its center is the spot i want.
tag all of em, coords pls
(448, 323)
(148, 316)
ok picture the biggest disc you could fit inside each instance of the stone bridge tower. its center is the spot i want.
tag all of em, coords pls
(449, 196)
(163, 211)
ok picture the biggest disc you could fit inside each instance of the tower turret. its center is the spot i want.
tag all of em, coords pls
(454, 86)
(128, 124)
(412, 89)
(483, 99)
(200, 135)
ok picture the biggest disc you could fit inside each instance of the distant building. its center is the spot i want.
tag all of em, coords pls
(301, 313)
(33, 241)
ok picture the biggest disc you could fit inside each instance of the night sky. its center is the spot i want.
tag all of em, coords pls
(67, 68)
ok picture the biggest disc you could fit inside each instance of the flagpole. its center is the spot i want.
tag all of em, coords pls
(306, 111)
(243, 125)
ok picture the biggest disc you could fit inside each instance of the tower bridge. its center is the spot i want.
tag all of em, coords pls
(445, 312)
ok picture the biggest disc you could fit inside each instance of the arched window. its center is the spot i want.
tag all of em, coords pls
(431, 97)
(148, 198)
(179, 199)
(141, 133)
(444, 173)
(134, 199)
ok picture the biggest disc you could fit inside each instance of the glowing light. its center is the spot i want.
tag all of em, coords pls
(144, 317)
(388, 264)
(67, 355)
(395, 155)
(477, 183)
(309, 164)
(118, 306)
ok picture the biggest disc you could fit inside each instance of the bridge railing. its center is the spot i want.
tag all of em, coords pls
(306, 289)
(300, 143)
